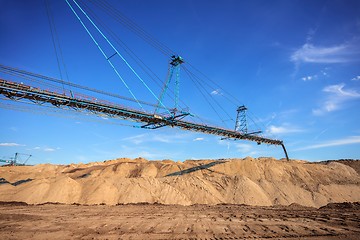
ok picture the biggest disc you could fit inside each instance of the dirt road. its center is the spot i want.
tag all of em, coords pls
(154, 221)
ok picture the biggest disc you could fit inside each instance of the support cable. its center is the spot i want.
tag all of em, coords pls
(54, 111)
(165, 87)
(233, 99)
(133, 56)
(201, 92)
(128, 23)
(177, 87)
(58, 43)
(103, 53)
(143, 34)
(216, 102)
(26, 75)
(132, 26)
(255, 121)
(113, 47)
(50, 20)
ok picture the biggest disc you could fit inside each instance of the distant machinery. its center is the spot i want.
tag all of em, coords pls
(16, 160)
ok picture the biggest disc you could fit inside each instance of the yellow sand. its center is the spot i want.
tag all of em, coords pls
(263, 181)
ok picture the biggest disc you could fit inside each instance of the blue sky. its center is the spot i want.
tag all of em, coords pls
(294, 64)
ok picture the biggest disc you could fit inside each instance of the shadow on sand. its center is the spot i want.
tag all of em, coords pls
(4, 181)
(197, 168)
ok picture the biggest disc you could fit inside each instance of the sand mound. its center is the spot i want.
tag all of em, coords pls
(355, 164)
(342, 206)
(263, 181)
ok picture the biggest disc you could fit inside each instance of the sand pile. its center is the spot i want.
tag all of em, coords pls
(263, 181)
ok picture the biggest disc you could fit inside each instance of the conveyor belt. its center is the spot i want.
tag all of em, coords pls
(18, 91)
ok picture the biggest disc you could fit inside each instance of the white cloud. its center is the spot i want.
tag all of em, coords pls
(199, 139)
(45, 149)
(284, 129)
(357, 78)
(338, 89)
(49, 149)
(321, 74)
(10, 145)
(324, 73)
(246, 149)
(163, 138)
(308, 78)
(309, 53)
(137, 139)
(337, 95)
(243, 147)
(338, 142)
(216, 92)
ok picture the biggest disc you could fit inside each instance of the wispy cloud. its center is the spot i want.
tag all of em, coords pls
(281, 116)
(243, 148)
(49, 149)
(199, 139)
(338, 142)
(321, 133)
(10, 145)
(246, 149)
(357, 78)
(337, 96)
(216, 92)
(309, 53)
(338, 89)
(283, 129)
(137, 139)
(266, 120)
(45, 149)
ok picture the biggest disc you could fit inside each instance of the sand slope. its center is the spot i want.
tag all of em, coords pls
(263, 181)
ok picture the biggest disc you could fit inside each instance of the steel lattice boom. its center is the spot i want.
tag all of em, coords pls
(17, 91)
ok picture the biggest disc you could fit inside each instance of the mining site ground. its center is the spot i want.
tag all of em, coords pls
(157, 221)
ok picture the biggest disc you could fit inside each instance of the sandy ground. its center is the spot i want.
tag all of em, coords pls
(156, 221)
